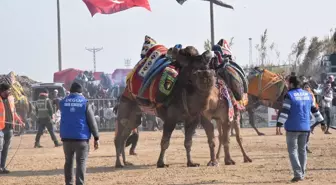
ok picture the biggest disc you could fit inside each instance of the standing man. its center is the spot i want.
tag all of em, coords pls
(8, 116)
(44, 119)
(77, 125)
(326, 103)
(295, 114)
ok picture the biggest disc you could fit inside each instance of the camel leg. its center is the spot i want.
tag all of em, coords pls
(220, 139)
(125, 123)
(190, 128)
(252, 120)
(226, 142)
(232, 133)
(239, 139)
(210, 132)
(168, 129)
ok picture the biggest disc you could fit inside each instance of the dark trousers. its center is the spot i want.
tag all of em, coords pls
(132, 139)
(81, 149)
(42, 124)
(6, 141)
(327, 115)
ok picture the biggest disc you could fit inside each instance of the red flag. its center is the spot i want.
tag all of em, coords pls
(114, 6)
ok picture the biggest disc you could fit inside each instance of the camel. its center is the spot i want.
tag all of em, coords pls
(223, 105)
(274, 85)
(187, 99)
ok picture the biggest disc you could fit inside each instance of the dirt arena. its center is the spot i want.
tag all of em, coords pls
(270, 162)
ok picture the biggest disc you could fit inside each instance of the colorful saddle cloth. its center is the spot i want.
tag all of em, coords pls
(233, 75)
(225, 94)
(153, 78)
(265, 84)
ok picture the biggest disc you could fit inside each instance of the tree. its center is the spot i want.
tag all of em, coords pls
(262, 49)
(310, 64)
(298, 50)
(207, 45)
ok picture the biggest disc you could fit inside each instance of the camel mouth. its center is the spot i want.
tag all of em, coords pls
(205, 79)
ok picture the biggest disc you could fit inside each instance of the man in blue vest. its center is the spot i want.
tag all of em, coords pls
(77, 125)
(295, 114)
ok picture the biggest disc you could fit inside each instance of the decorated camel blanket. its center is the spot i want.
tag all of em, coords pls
(154, 76)
(229, 71)
(225, 94)
(266, 85)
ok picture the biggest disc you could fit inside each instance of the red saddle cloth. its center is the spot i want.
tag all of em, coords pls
(160, 86)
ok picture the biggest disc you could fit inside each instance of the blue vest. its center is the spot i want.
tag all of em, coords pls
(299, 113)
(73, 118)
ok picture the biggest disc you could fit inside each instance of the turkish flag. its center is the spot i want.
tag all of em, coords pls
(114, 6)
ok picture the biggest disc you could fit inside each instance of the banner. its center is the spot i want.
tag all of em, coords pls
(272, 117)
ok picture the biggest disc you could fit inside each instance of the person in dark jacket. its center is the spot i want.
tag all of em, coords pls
(77, 125)
(44, 111)
(295, 115)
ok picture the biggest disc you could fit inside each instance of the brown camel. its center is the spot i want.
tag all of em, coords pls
(260, 96)
(223, 105)
(188, 99)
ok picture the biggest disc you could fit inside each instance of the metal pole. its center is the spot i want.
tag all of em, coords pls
(94, 50)
(59, 37)
(250, 52)
(212, 24)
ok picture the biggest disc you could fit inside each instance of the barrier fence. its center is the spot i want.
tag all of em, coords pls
(102, 110)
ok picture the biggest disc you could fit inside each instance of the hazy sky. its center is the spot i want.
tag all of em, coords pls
(28, 33)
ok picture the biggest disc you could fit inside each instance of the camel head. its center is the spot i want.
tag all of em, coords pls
(195, 71)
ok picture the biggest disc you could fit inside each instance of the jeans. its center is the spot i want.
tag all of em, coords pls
(81, 149)
(42, 124)
(327, 115)
(8, 134)
(296, 144)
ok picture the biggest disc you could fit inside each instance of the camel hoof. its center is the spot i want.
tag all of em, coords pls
(229, 162)
(162, 165)
(191, 164)
(213, 163)
(261, 134)
(128, 164)
(118, 165)
(247, 160)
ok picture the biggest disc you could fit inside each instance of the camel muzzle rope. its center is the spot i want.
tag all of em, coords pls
(18, 147)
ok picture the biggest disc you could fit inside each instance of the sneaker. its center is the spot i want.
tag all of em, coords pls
(327, 132)
(297, 179)
(37, 145)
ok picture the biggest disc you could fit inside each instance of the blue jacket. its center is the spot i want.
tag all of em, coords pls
(74, 123)
(295, 113)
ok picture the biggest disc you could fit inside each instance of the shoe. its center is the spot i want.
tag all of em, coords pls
(132, 153)
(57, 144)
(4, 171)
(37, 145)
(297, 179)
(327, 132)
(308, 151)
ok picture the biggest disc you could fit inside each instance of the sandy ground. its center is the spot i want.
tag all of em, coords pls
(270, 162)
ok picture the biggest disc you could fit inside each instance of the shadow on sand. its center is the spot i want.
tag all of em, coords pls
(89, 170)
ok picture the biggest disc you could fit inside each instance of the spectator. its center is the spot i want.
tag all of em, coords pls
(327, 97)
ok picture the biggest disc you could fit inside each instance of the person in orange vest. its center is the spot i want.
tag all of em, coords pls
(8, 117)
